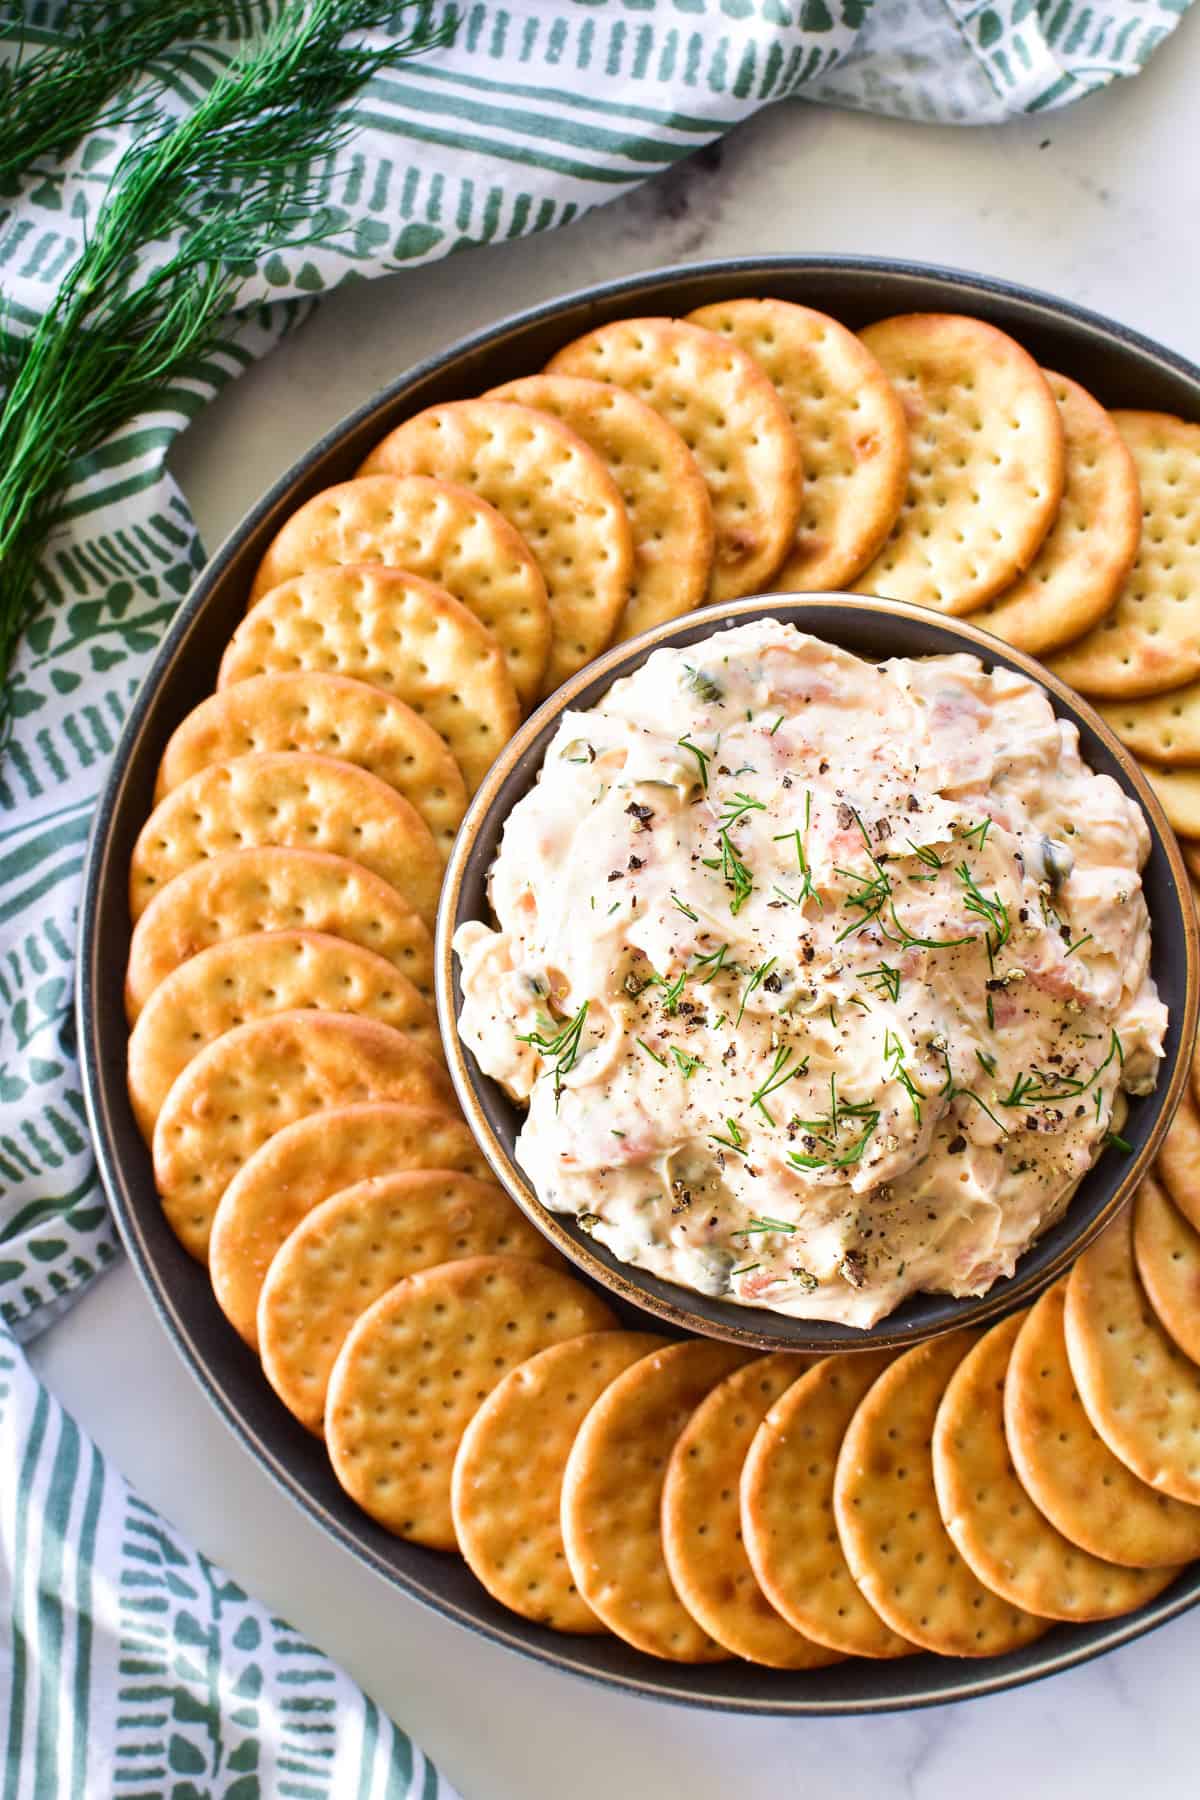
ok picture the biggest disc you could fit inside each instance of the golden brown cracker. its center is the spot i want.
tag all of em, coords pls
(887, 1515)
(1164, 729)
(1150, 641)
(507, 1483)
(418, 1365)
(1167, 1253)
(1178, 1163)
(295, 801)
(435, 531)
(1068, 1471)
(557, 493)
(986, 467)
(357, 1244)
(1013, 1549)
(332, 716)
(659, 480)
(247, 1085)
(395, 632)
(1178, 791)
(731, 419)
(270, 889)
(612, 1498)
(701, 1525)
(1140, 1391)
(787, 1509)
(1089, 550)
(851, 429)
(250, 978)
(303, 1165)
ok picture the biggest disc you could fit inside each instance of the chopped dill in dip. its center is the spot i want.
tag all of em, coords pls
(823, 980)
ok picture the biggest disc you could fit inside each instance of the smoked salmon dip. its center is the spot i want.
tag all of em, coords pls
(822, 980)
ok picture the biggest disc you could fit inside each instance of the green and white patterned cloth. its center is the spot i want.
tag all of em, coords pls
(122, 1642)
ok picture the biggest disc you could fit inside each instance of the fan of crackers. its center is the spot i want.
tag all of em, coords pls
(284, 1060)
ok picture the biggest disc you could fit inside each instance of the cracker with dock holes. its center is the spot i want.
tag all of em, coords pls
(552, 488)
(1089, 550)
(787, 1509)
(1150, 641)
(251, 978)
(612, 1498)
(357, 1244)
(1013, 1549)
(887, 1515)
(332, 716)
(307, 1162)
(1140, 1391)
(393, 631)
(731, 419)
(659, 480)
(851, 429)
(259, 1077)
(1178, 792)
(986, 465)
(507, 1481)
(701, 1527)
(418, 1365)
(1164, 729)
(294, 800)
(1178, 1163)
(436, 531)
(271, 889)
(1167, 1252)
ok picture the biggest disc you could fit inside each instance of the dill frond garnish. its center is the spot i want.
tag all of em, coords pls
(562, 1045)
(782, 1069)
(222, 185)
(757, 977)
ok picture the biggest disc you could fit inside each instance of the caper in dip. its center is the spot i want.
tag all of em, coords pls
(822, 979)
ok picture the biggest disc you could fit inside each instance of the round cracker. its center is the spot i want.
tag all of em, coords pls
(787, 1509)
(701, 1524)
(887, 1515)
(1089, 550)
(296, 801)
(659, 480)
(1068, 1471)
(393, 631)
(1178, 1163)
(987, 462)
(507, 1482)
(357, 1244)
(302, 1166)
(332, 716)
(270, 889)
(1165, 729)
(1150, 640)
(1191, 856)
(1178, 791)
(547, 483)
(612, 1498)
(1167, 1252)
(1138, 1388)
(259, 1077)
(851, 428)
(996, 1528)
(732, 421)
(418, 1365)
(251, 978)
(434, 530)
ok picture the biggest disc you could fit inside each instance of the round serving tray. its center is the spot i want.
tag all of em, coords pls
(1120, 367)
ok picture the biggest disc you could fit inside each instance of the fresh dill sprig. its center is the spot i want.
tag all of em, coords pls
(1078, 944)
(563, 1045)
(222, 185)
(653, 1054)
(702, 759)
(993, 912)
(807, 890)
(782, 1069)
(684, 909)
(734, 1141)
(757, 1226)
(978, 833)
(894, 1053)
(734, 871)
(688, 1064)
(714, 962)
(1038, 1087)
(827, 1131)
(884, 981)
(757, 977)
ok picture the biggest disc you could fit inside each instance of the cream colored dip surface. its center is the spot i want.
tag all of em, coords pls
(820, 978)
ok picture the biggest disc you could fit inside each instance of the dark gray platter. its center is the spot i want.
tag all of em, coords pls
(1119, 366)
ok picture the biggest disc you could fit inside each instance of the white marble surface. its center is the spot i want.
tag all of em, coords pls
(1099, 204)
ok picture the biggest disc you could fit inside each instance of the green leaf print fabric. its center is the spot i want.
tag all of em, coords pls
(128, 1664)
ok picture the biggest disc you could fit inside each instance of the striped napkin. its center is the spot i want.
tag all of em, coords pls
(130, 1664)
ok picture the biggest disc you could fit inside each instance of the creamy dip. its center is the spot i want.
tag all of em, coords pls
(822, 979)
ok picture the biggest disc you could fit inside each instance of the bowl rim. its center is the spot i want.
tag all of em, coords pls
(927, 1682)
(734, 1322)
